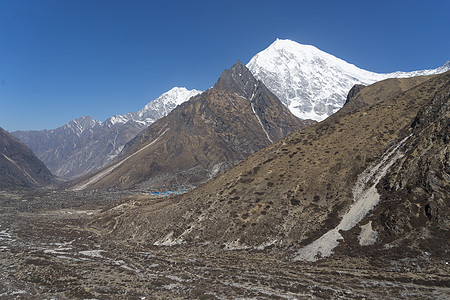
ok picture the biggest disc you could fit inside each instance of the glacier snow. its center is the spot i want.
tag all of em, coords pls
(311, 83)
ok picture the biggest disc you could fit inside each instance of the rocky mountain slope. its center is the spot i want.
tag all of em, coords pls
(202, 137)
(19, 167)
(311, 83)
(84, 144)
(373, 179)
(413, 213)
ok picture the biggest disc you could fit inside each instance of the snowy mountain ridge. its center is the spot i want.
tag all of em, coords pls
(314, 84)
(151, 112)
(157, 108)
(85, 144)
(78, 126)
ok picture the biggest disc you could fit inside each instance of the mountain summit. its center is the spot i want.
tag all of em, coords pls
(238, 79)
(312, 83)
(157, 108)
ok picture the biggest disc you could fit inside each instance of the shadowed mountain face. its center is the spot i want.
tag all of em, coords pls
(19, 167)
(80, 146)
(374, 178)
(202, 137)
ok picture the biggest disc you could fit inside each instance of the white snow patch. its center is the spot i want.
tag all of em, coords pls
(128, 268)
(156, 108)
(19, 292)
(6, 239)
(175, 278)
(215, 169)
(254, 112)
(5, 235)
(72, 258)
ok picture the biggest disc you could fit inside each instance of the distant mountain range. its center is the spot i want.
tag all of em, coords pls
(85, 144)
(200, 138)
(311, 83)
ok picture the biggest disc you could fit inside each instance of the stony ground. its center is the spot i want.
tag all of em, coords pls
(47, 251)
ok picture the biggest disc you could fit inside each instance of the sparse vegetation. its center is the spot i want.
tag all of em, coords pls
(104, 245)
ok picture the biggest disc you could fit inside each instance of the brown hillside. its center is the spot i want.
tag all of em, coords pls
(202, 137)
(414, 213)
(292, 192)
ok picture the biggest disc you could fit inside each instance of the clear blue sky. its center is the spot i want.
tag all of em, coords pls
(62, 59)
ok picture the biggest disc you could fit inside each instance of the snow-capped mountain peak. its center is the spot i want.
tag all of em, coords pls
(313, 84)
(165, 103)
(78, 126)
(176, 95)
(157, 108)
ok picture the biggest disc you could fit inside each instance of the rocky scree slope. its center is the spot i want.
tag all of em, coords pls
(414, 213)
(311, 83)
(202, 137)
(84, 144)
(293, 192)
(19, 167)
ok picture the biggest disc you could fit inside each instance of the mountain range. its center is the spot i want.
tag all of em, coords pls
(353, 206)
(202, 137)
(311, 83)
(85, 144)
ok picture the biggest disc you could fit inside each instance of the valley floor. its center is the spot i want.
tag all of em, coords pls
(47, 251)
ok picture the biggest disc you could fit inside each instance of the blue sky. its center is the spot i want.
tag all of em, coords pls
(62, 59)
